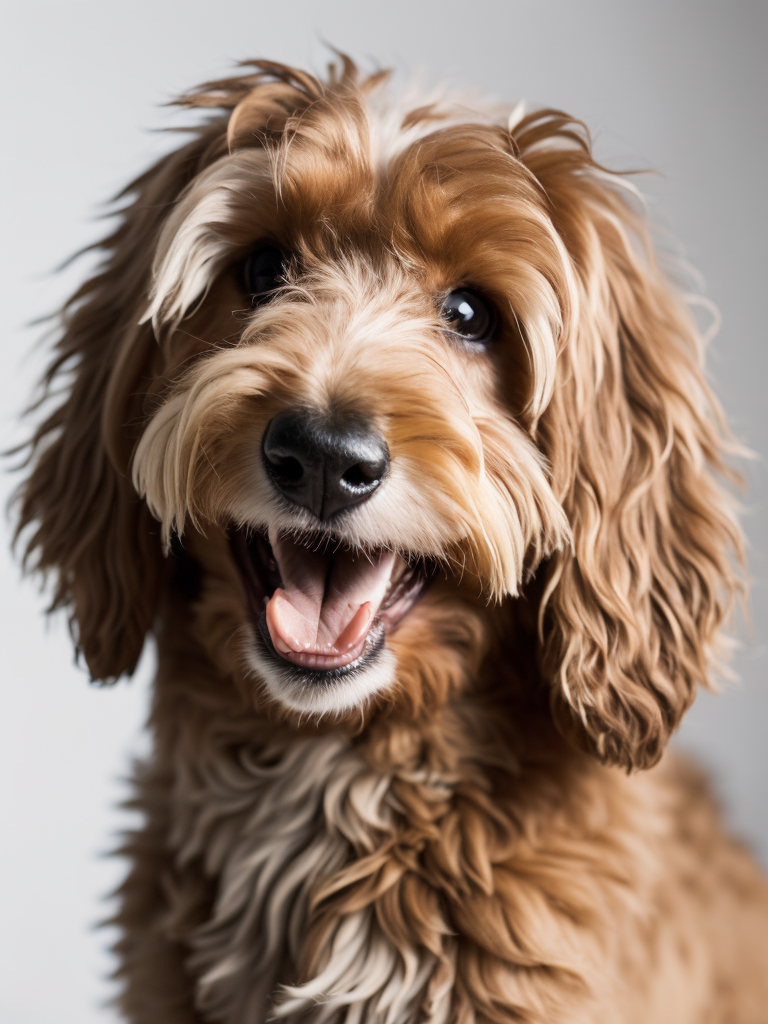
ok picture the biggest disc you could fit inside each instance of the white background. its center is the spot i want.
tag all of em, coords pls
(677, 85)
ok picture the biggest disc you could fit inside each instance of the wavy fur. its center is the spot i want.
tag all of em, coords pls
(450, 838)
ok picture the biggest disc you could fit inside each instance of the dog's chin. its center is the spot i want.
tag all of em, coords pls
(320, 615)
(323, 693)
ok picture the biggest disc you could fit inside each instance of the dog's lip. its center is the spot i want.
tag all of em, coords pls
(309, 674)
(260, 572)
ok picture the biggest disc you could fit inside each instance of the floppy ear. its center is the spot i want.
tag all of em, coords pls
(630, 614)
(87, 527)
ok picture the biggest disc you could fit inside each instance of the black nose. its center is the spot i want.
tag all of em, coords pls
(324, 465)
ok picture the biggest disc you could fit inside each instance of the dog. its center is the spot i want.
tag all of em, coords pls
(382, 417)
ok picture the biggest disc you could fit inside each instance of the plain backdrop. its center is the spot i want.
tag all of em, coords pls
(677, 85)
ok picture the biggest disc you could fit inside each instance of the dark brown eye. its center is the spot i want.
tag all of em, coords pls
(263, 272)
(469, 315)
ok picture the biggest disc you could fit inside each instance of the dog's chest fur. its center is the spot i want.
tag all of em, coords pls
(272, 825)
(329, 879)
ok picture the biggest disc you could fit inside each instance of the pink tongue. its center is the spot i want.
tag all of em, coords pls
(328, 598)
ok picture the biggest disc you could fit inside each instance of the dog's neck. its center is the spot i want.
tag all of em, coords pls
(284, 839)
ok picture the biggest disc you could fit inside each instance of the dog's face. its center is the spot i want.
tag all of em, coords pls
(389, 363)
(361, 424)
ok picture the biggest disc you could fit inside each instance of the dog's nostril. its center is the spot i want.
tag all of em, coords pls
(364, 474)
(286, 467)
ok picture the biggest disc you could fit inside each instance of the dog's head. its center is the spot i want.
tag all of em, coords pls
(378, 369)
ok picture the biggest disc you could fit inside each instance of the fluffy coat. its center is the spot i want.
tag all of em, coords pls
(460, 833)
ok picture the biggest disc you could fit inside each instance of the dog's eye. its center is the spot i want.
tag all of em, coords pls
(263, 272)
(469, 315)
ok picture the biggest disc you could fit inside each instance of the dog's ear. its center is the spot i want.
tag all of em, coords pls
(84, 524)
(631, 613)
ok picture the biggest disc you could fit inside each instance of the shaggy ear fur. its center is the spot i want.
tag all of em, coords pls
(636, 440)
(88, 527)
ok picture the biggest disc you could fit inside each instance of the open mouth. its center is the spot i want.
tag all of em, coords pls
(322, 607)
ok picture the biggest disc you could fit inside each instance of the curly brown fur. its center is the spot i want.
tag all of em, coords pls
(449, 832)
